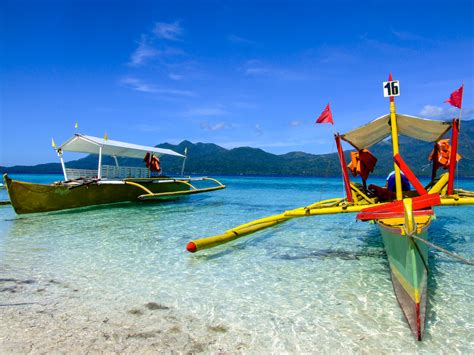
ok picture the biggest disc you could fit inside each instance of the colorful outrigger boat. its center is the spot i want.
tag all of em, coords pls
(403, 219)
(105, 185)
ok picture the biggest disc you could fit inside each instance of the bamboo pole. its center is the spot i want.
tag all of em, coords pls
(270, 221)
(394, 128)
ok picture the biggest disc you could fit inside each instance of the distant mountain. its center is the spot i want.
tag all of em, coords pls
(211, 159)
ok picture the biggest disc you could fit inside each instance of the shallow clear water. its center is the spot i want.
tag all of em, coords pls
(311, 284)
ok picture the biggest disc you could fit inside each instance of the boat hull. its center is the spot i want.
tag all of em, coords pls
(32, 198)
(408, 260)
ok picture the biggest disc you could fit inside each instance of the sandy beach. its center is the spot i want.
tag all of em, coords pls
(49, 316)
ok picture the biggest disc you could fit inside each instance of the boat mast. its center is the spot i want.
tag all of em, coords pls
(393, 125)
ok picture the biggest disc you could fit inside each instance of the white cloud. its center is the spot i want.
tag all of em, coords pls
(432, 111)
(168, 31)
(409, 36)
(258, 69)
(143, 53)
(144, 127)
(175, 77)
(244, 104)
(387, 47)
(206, 111)
(239, 40)
(330, 55)
(258, 129)
(443, 113)
(139, 85)
(175, 92)
(296, 123)
(214, 126)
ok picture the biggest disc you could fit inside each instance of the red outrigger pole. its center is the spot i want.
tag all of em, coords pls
(452, 158)
(342, 161)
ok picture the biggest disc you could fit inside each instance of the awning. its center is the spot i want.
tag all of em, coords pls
(87, 144)
(411, 126)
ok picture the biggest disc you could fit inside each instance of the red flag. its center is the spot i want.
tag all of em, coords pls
(456, 97)
(326, 116)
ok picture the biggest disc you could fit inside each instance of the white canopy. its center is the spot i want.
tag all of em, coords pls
(411, 126)
(88, 144)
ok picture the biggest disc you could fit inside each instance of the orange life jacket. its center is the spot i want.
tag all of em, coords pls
(147, 159)
(362, 163)
(155, 164)
(441, 154)
(152, 162)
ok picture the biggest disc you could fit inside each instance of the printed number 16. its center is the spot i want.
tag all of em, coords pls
(392, 88)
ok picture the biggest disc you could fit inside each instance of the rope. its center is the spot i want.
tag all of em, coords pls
(437, 247)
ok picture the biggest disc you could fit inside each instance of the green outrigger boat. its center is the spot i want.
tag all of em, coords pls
(105, 185)
(403, 217)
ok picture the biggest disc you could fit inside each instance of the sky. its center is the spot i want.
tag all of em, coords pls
(233, 73)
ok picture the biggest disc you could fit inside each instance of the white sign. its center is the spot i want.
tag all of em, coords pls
(391, 88)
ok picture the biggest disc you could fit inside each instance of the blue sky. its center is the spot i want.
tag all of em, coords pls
(234, 73)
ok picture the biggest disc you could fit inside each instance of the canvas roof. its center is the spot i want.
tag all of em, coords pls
(88, 144)
(411, 126)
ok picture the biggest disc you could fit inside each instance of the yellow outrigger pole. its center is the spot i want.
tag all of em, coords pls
(330, 206)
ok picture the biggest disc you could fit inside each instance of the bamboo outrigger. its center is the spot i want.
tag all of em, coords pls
(108, 184)
(403, 221)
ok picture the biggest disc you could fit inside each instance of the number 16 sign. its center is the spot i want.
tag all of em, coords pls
(391, 88)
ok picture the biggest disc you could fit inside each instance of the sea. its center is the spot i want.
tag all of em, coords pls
(313, 284)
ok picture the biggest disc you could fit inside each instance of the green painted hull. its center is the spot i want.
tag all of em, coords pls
(408, 260)
(31, 198)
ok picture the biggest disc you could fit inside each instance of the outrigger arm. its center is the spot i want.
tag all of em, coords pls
(149, 195)
(331, 206)
(361, 203)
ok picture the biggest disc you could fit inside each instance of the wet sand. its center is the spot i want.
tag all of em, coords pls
(49, 316)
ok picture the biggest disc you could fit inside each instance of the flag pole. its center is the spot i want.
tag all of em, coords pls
(326, 117)
(453, 155)
(460, 109)
(394, 128)
(342, 161)
(455, 99)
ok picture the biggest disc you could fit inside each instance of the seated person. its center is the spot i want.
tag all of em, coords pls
(389, 191)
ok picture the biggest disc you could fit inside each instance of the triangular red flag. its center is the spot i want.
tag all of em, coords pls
(456, 97)
(326, 116)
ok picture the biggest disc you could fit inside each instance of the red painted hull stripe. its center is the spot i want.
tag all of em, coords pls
(418, 202)
(365, 216)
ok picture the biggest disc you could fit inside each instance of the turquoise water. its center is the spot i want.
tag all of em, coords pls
(311, 284)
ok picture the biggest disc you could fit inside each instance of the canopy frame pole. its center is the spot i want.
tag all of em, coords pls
(342, 161)
(394, 129)
(99, 168)
(184, 161)
(434, 168)
(452, 158)
(60, 155)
